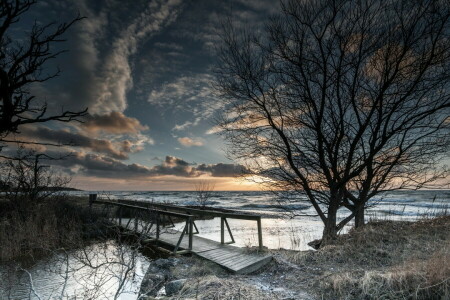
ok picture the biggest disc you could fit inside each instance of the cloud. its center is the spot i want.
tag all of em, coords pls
(90, 164)
(188, 142)
(103, 47)
(115, 72)
(187, 124)
(113, 122)
(118, 150)
(223, 170)
(192, 93)
(213, 130)
(107, 167)
(170, 46)
(102, 166)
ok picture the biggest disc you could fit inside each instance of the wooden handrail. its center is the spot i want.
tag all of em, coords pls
(151, 206)
(199, 212)
(162, 212)
(187, 229)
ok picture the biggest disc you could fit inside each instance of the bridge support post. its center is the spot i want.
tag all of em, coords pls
(157, 226)
(222, 230)
(260, 241)
(92, 198)
(229, 232)
(191, 231)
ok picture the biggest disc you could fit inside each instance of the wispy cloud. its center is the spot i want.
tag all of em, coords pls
(187, 124)
(188, 142)
(114, 77)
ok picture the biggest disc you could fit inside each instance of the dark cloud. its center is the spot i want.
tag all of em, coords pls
(113, 122)
(101, 166)
(79, 140)
(223, 170)
(107, 167)
(174, 166)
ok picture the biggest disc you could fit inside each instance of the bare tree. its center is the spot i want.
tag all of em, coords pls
(22, 64)
(340, 100)
(28, 181)
(204, 190)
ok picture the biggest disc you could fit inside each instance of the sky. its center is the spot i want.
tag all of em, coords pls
(144, 69)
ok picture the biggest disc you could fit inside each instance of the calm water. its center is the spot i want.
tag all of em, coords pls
(106, 271)
(101, 271)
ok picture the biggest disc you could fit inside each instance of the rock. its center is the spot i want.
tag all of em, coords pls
(150, 283)
(315, 244)
(174, 287)
(166, 263)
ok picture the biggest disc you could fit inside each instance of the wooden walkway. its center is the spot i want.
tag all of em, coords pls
(235, 259)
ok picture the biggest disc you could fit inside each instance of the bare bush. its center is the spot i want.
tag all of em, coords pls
(27, 181)
(204, 191)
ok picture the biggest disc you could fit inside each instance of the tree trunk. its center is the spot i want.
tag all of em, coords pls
(330, 230)
(359, 216)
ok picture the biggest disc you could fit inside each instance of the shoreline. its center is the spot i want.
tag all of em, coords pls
(385, 258)
(415, 261)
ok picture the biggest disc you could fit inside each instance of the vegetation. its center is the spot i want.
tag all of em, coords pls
(203, 190)
(383, 260)
(53, 224)
(22, 63)
(340, 100)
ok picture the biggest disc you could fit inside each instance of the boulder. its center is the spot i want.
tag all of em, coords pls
(151, 283)
(174, 287)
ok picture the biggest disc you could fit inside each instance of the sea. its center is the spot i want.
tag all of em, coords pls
(115, 271)
(288, 225)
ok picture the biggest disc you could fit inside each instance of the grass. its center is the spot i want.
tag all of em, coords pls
(54, 224)
(383, 260)
(213, 287)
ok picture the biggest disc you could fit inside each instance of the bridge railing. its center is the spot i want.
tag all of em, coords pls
(156, 219)
(197, 212)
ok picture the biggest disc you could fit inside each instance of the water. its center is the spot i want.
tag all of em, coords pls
(108, 270)
(100, 271)
(279, 229)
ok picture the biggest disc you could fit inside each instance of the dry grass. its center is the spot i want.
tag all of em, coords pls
(212, 287)
(383, 260)
(48, 226)
(429, 279)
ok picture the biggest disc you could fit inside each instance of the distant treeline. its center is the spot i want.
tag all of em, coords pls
(7, 186)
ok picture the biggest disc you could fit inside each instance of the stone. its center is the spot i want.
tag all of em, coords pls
(174, 287)
(150, 283)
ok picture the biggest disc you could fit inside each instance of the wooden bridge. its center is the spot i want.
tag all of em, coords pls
(155, 221)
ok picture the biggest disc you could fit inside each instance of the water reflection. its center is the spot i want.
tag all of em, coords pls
(100, 271)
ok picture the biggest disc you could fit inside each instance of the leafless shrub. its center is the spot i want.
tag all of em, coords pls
(28, 181)
(204, 190)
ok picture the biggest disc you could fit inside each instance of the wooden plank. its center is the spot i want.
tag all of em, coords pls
(232, 258)
(219, 255)
(243, 262)
(221, 259)
(241, 257)
(254, 267)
